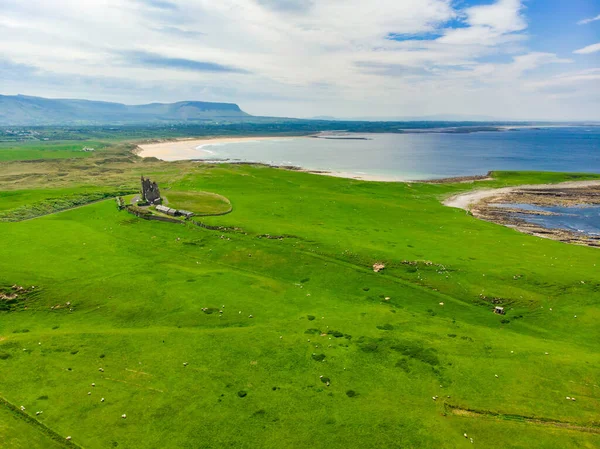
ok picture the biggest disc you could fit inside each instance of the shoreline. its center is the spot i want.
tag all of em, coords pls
(178, 150)
(482, 205)
(190, 149)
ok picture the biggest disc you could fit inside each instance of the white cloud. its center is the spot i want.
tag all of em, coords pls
(590, 20)
(589, 49)
(279, 57)
(504, 15)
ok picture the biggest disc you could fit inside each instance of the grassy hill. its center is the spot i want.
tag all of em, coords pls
(26, 110)
(312, 348)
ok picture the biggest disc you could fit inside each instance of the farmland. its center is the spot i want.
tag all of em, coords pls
(276, 332)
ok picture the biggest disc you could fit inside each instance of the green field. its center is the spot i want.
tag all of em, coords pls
(313, 349)
(201, 203)
(27, 151)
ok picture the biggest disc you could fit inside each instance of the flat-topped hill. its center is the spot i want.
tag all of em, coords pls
(26, 110)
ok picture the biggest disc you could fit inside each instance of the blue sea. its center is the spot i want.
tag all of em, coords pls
(584, 219)
(427, 155)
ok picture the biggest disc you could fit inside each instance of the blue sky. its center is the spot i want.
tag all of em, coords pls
(511, 59)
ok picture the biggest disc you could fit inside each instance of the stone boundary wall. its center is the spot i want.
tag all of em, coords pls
(218, 214)
(151, 217)
(40, 425)
(212, 228)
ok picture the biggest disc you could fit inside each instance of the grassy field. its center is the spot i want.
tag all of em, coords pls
(201, 203)
(27, 151)
(279, 333)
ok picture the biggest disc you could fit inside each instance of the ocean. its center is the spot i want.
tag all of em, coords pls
(427, 155)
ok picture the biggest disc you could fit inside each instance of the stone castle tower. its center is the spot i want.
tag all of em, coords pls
(150, 192)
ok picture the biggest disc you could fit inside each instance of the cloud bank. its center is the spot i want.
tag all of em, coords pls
(293, 57)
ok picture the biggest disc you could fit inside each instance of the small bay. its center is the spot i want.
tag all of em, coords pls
(426, 155)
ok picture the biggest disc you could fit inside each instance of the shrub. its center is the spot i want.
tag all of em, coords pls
(336, 334)
(351, 393)
(403, 365)
(325, 379)
(417, 352)
(310, 317)
(452, 335)
(386, 327)
(43, 398)
(318, 357)
(312, 331)
(242, 394)
(4, 355)
(369, 347)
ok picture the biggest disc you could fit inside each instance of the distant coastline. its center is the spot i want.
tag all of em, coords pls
(395, 157)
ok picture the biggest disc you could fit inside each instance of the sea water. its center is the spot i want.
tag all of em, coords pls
(584, 219)
(427, 156)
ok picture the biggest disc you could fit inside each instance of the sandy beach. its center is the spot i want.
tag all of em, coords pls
(468, 199)
(357, 176)
(185, 149)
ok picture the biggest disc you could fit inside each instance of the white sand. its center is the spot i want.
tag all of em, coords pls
(468, 199)
(358, 177)
(178, 150)
(186, 149)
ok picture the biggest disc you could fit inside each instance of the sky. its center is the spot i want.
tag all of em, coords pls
(508, 59)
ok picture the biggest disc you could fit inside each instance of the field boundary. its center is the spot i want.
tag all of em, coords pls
(472, 413)
(34, 422)
(6, 218)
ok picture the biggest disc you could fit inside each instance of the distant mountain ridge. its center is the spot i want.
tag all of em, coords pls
(22, 110)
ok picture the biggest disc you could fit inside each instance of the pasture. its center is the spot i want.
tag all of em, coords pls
(277, 332)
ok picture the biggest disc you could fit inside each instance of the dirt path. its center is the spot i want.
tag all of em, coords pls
(468, 199)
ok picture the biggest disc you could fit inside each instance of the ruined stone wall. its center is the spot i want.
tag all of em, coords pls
(150, 192)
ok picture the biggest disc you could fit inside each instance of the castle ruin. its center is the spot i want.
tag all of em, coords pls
(150, 192)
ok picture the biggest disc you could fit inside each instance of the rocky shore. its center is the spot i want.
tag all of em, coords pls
(485, 206)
